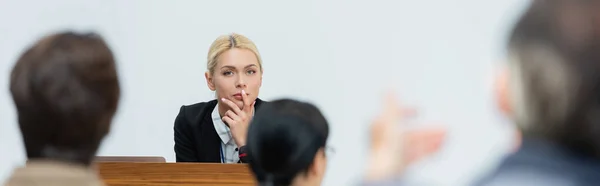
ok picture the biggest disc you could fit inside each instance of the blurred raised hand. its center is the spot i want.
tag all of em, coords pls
(393, 146)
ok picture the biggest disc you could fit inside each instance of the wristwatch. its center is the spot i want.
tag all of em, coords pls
(243, 154)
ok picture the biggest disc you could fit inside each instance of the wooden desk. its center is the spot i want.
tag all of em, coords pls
(131, 159)
(165, 174)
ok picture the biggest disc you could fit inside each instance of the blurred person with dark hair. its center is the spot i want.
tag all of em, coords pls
(287, 144)
(66, 92)
(551, 90)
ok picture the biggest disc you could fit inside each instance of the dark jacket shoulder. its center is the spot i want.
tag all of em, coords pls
(540, 162)
(192, 113)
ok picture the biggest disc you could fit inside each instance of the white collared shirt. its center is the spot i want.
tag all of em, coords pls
(228, 146)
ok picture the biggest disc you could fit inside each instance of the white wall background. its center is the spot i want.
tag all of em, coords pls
(339, 54)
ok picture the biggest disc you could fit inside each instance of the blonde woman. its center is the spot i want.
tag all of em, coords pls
(215, 131)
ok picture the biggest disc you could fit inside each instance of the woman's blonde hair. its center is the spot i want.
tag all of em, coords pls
(226, 42)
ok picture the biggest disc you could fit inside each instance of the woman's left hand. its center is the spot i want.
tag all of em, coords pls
(239, 119)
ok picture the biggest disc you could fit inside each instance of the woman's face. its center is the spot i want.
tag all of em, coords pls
(236, 70)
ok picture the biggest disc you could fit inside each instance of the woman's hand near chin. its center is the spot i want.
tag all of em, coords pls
(239, 119)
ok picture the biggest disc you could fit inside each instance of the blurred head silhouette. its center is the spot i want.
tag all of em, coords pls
(66, 91)
(286, 144)
(551, 88)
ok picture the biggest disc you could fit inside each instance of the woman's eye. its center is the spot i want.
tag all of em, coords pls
(227, 73)
(250, 72)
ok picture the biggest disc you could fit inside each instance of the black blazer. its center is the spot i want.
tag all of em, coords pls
(196, 139)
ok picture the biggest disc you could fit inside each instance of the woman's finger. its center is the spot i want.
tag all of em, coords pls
(247, 101)
(228, 120)
(231, 105)
(232, 115)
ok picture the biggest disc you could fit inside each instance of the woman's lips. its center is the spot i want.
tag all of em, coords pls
(238, 96)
